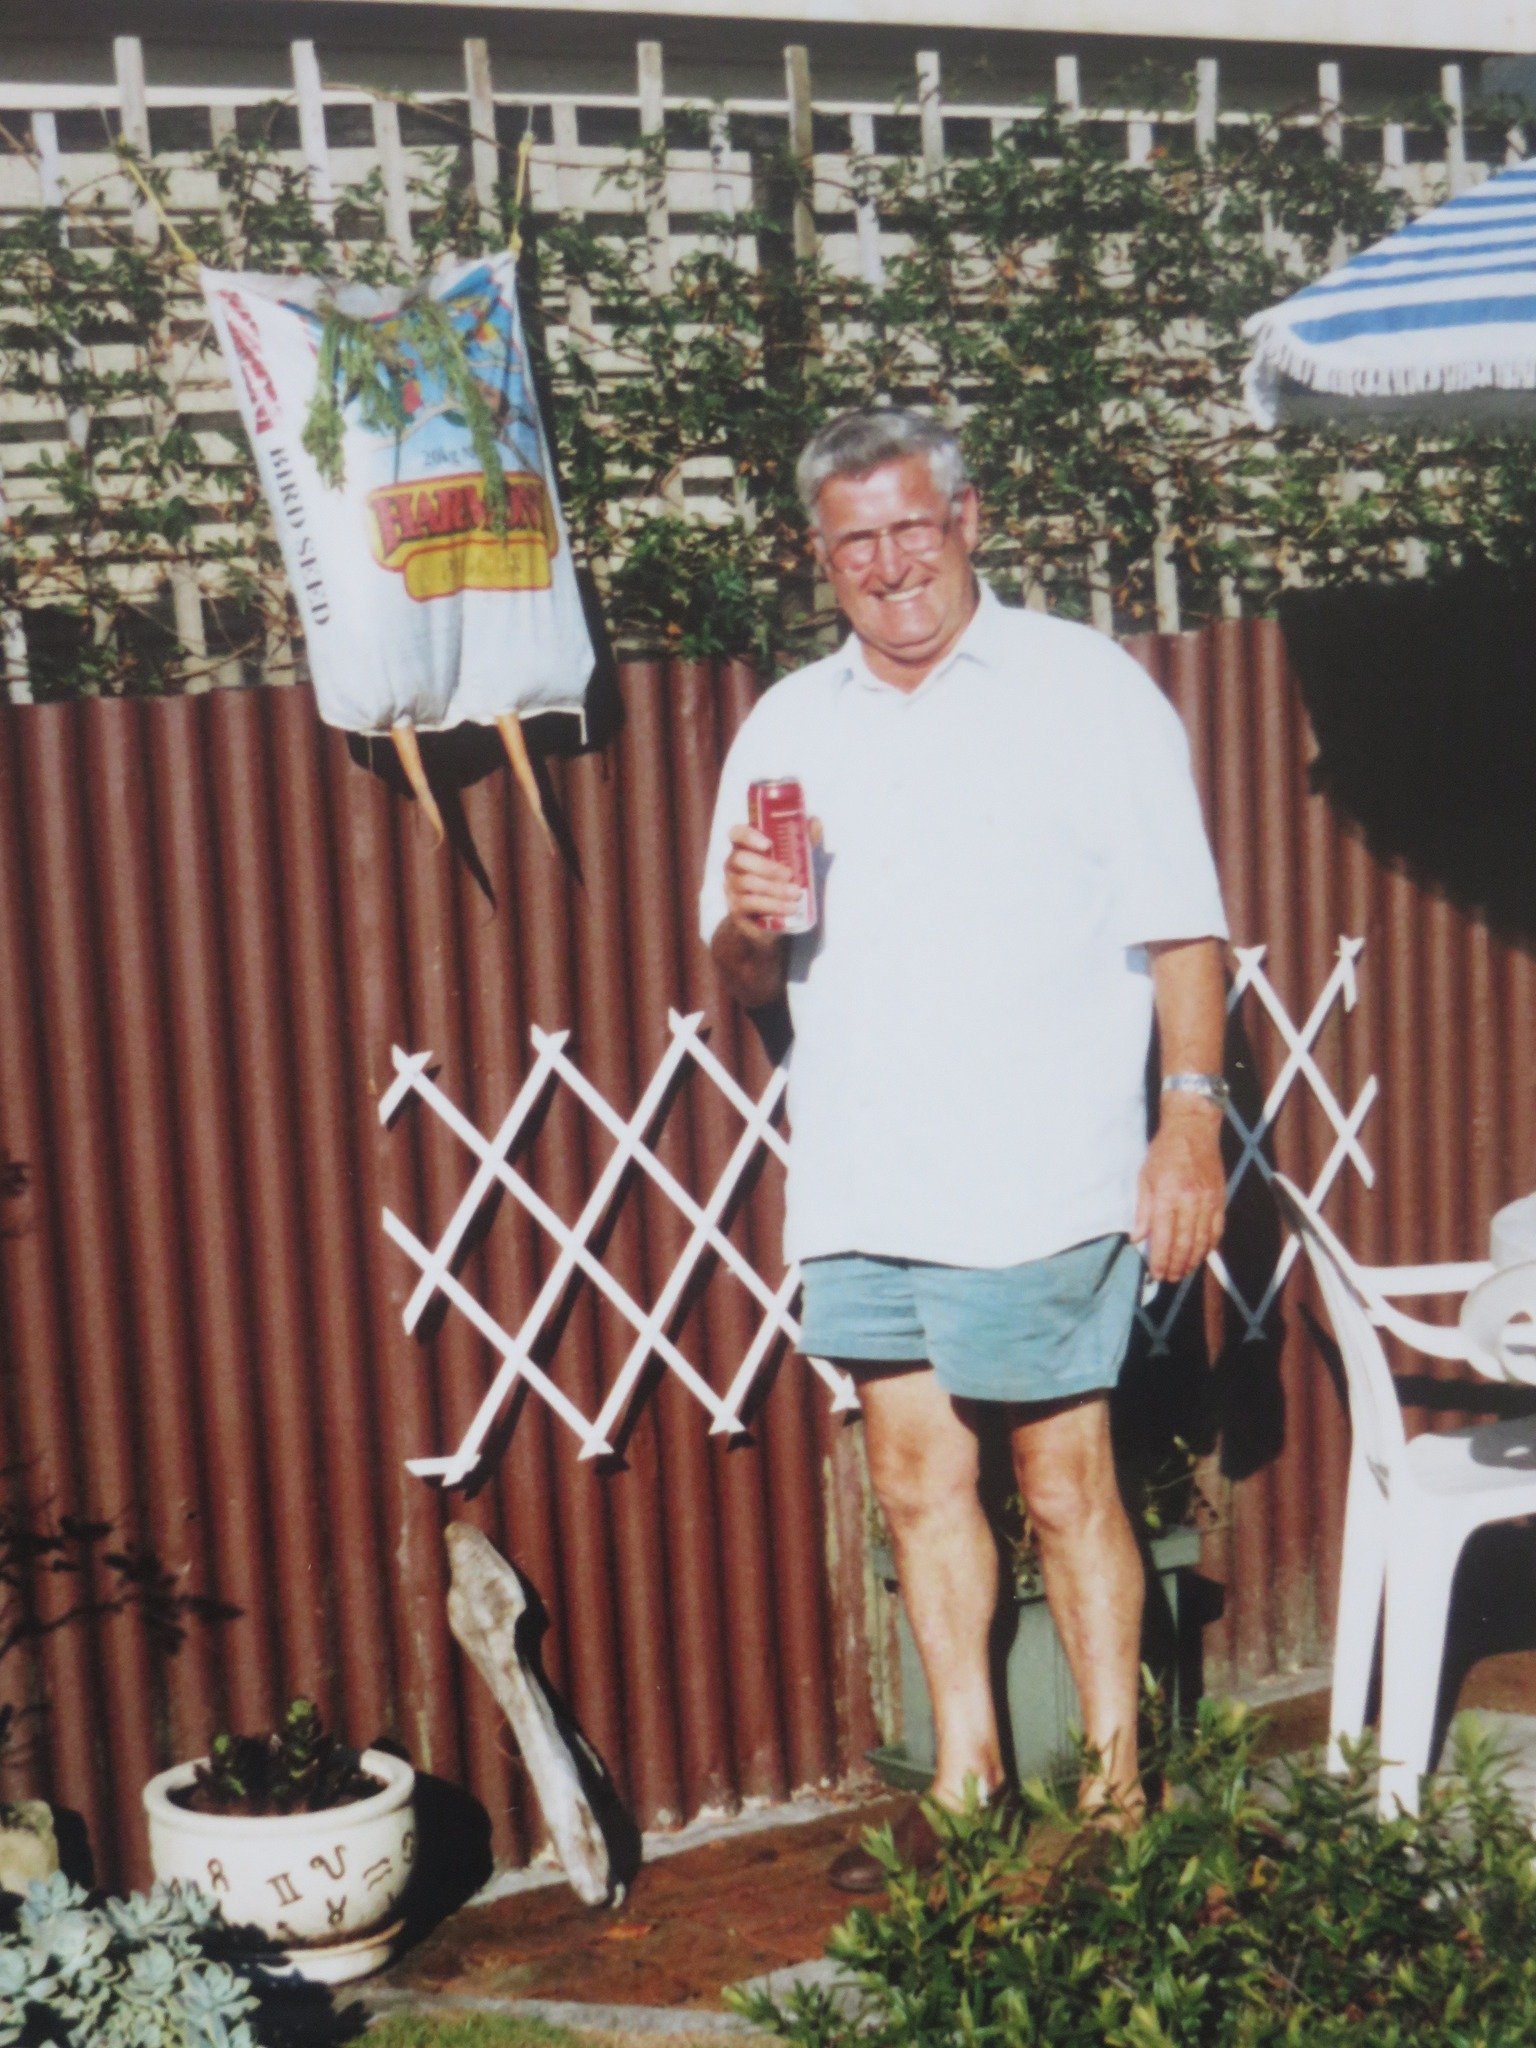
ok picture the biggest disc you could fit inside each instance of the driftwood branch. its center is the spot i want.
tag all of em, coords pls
(486, 1605)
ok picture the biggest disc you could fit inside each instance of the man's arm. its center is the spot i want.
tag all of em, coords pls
(750, 960)
(1181, 1197)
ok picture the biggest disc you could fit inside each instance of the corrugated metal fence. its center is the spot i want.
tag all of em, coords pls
(213, 927)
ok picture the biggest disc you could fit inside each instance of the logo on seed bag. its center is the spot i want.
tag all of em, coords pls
(438, 535)
(428, 520)
(245, 340)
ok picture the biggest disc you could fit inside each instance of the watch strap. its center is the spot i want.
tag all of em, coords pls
(1210, 1087)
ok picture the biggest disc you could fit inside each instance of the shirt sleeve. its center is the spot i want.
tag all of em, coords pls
(1164, 882)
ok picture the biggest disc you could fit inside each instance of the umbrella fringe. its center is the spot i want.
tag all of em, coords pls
(1280, 357)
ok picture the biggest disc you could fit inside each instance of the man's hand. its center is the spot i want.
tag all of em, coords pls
(751, 960)
(757, 885)
(1181, 1196)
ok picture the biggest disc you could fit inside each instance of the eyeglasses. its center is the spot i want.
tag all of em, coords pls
(918, 539)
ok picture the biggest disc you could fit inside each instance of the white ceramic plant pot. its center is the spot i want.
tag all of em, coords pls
(326, 1887)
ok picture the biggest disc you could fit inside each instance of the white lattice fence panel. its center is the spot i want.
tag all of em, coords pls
(1299, 1065)
(632, 1153)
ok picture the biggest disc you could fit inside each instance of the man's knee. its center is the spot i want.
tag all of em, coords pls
(1061, 1504)
(1073, 1489)
(915, 1487)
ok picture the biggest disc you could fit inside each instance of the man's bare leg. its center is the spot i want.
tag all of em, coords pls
(923, 1461)
(1093, 1579)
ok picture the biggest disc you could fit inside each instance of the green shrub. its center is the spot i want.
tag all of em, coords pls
(1260, 1907)
(142, 1972)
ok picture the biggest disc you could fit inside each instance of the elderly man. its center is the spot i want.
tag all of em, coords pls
(1014, 878)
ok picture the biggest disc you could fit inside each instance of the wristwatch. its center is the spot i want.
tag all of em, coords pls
(1211, 1087)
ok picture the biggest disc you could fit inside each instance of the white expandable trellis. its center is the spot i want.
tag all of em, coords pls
(1298, 1065)
(574, 1240)
(652, 1337)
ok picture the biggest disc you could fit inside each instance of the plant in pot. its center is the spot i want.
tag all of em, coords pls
(1169, 1512)
(296, 1835)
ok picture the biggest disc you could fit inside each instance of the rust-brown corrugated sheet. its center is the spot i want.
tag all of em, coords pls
(213, 927)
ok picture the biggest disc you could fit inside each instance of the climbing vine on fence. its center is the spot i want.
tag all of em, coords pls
(1079, 318)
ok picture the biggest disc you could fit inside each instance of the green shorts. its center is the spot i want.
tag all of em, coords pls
(1047, 1330)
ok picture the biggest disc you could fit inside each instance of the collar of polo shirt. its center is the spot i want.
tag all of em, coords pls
(979, 642)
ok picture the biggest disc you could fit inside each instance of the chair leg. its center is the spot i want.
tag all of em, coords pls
(1360, 1583)
(1421, 1563)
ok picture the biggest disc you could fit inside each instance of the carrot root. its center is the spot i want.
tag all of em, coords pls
(408, 747)
(510, 726)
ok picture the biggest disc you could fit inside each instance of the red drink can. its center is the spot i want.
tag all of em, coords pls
(777, 810)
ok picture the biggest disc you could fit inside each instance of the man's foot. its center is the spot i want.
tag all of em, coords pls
(917, 1844)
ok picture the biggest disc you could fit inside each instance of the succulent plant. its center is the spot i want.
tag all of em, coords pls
(140, 1972)
(296, 1768)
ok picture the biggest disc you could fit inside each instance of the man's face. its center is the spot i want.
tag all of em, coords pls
(898, 554)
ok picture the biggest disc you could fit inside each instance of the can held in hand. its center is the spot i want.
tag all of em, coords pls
(777, 810)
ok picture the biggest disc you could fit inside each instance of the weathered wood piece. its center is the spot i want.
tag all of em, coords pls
(486, 1605)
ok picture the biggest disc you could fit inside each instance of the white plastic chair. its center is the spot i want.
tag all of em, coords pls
(1411, 1505)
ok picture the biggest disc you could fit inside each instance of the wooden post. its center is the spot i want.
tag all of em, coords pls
(568, 190)
(1394, 155)
(930, 111)
(1069, 88)
(653, 128)
(1330, 121)
(397, 200)
(658, 226)
(484, 156)
(1207, 104)
(1330, 108)
(797, 85)
(222, 132)
(317, 160)
(50, 171)
(866, 214)
(719, 158)
(1138, 142)
(133, 106)
(133, 110)
(1456, 134)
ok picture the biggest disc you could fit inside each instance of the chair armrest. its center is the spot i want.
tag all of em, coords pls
(1452, 1278)
(1486, 1318)
(1435, 1340)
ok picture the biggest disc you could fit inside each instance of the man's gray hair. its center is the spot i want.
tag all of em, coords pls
(855, 443)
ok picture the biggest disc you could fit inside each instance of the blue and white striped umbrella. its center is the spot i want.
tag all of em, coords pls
(1436, 325)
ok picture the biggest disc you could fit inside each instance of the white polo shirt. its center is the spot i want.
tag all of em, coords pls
(972, 1014)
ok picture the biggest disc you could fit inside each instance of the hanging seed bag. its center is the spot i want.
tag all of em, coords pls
(398, 441)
